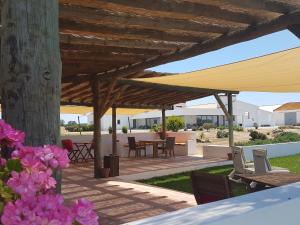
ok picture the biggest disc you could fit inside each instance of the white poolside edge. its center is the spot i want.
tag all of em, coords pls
(165, 172)
(275, 206)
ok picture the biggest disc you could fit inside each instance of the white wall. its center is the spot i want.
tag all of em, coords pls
(274, 150)
(106, 141)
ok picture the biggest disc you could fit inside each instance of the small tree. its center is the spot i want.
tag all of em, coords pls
(110, 130)
(175, 123)
(208, 126)
(156, 128)
(124, 130)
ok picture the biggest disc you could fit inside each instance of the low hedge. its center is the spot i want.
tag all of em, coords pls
(283, 137)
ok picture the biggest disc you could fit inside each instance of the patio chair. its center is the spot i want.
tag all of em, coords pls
(169, 146)
(73, 152)
(241, 166)
(262, 164)
(209, 187)
(135, 147)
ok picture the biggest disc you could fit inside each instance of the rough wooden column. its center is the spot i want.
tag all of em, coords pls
(114, 130)
(230, 120)
(30, 80)
(163, 113)
(31, 69)
(97, 127)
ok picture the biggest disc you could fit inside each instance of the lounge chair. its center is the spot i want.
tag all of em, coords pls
(209, 187)
(262, 164)
(239, 163)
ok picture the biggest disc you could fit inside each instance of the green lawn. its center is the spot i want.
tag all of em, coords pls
(182, 182)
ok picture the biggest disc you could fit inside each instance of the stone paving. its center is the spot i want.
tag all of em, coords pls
(118, 200)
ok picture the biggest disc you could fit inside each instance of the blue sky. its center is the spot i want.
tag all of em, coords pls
(261, 46)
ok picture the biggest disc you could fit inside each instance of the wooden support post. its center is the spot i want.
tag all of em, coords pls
(31, 70)
(97, 128)
(114, 130)
(229, 115)
(230, 120)
(163, 113)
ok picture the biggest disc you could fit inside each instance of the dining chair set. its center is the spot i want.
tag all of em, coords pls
(166, 146)
(78, 152)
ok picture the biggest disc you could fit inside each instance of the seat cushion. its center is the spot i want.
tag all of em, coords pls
(67, 144)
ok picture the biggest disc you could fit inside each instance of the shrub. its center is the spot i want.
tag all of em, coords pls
(238, 128)
(208, 126)
(221, 127)
(175, 123)
(255, 125)
(287, 137)
(201, 138)
(110, 130)
(222, 134)
(200, 128)
(277, 131)
(255, 135)
(124, 130)
(156, 128)
(280, 138)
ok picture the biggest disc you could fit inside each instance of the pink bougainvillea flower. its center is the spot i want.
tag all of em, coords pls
(55, 157)
(46, 209)
(83, 212)
(29, 184)
(10, 137)
(2, 162)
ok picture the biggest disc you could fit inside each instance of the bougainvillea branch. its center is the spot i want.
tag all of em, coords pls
(27, 187)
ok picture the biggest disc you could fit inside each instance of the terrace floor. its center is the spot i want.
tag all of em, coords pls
(119, 200)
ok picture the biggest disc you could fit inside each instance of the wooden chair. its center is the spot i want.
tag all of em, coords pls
(209, 187)
(169, 146)
(133, 146)
(73, 152)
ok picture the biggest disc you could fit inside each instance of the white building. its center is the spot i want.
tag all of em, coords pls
(245, 114)
(106, 121)
(287, 114)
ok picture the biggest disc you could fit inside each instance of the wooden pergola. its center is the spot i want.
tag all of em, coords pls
(103, 41)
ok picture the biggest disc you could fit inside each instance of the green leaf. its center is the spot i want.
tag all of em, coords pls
(14, 165)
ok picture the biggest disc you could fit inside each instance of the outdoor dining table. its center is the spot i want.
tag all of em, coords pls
(85, 150)
(271, 179)
(155, 143)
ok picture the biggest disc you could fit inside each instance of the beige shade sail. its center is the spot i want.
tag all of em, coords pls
(278, 72)
(84, 110)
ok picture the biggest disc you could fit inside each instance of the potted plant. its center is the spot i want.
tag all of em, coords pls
(229, 155)
(104, 172)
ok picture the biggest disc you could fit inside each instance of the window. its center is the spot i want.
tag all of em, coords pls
(118, 122)
(247, 115)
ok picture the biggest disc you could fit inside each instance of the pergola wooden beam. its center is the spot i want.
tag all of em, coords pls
(126, 19)
(263, 28)
(189, 7)
(133, 32)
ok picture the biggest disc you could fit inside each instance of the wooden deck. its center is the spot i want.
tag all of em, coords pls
(118, 200)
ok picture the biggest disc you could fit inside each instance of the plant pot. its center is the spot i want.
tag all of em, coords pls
(229, 155)
(104, 172)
